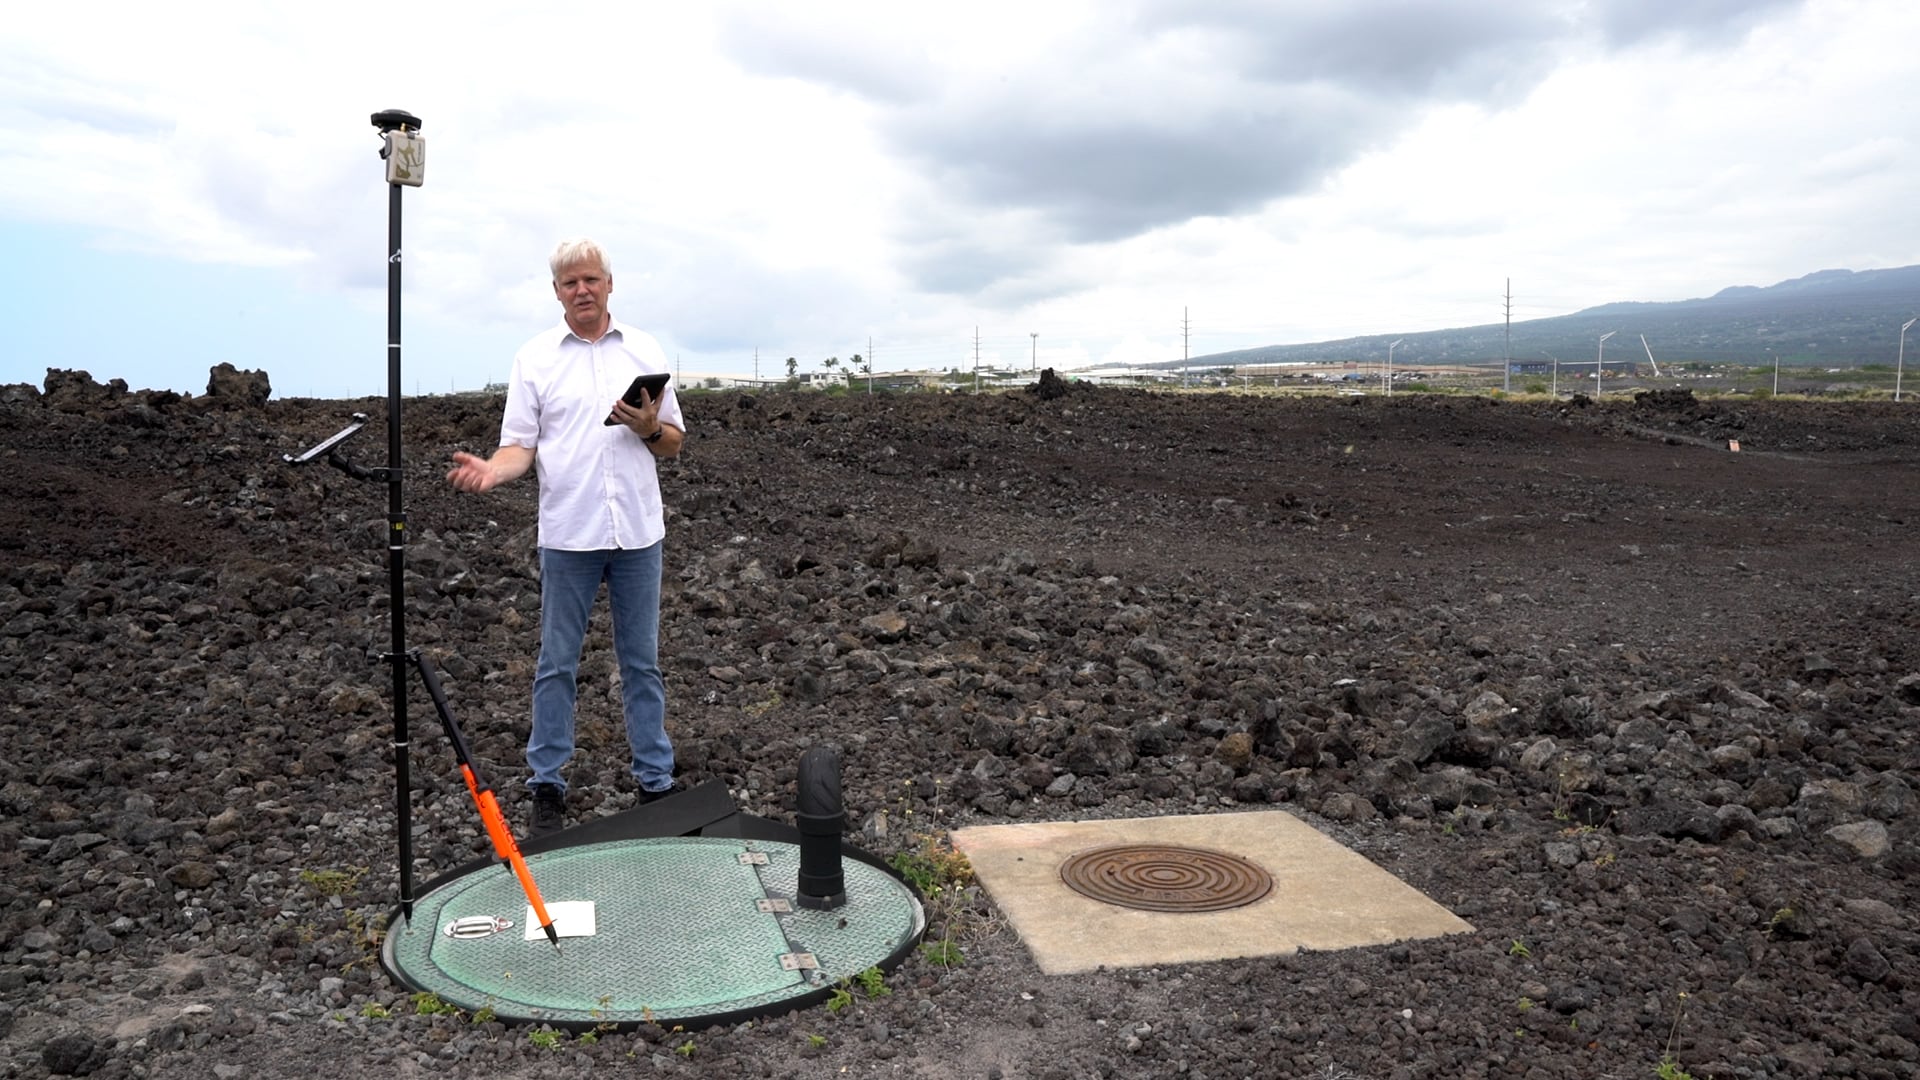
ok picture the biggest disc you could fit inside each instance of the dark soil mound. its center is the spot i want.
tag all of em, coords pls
(1640, 709)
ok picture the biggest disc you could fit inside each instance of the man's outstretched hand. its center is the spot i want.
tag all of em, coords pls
(471, 473)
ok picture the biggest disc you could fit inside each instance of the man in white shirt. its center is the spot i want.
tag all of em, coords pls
(600, 516)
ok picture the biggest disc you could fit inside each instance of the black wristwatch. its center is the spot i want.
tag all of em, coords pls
(655, 437)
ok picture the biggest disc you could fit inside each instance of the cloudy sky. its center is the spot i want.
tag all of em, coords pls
(185, 184)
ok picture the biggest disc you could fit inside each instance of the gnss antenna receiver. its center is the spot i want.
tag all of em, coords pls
(405, 151)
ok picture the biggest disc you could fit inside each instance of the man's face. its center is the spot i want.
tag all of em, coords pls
(582, 290)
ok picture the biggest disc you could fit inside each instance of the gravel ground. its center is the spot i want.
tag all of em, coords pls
(1639, 708)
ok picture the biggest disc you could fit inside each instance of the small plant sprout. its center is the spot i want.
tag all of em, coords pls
(1781, 918)
(874, 982)
(1562, 810)
(817, 1041)
(428, 1003)
(933, 866)
(333, 882)
(841, 998)
(1519, 949)
(685, 1049)
(1669, 1069)
(943, 953)
(373, 1010)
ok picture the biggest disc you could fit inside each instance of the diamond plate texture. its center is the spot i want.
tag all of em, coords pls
(679, 933)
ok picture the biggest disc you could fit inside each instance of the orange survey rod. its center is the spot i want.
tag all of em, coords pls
(483, 799)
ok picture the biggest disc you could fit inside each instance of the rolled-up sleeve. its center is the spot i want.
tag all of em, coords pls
(520, 425)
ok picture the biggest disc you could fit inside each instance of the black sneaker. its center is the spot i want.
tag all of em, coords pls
(549, 812)
(655, 796)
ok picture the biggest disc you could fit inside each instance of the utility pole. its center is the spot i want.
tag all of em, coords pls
(1506, 383)
(1186, 330)
(756, 366)
(1035, 335)
(869, 365)
(976, 359)
(1899, 364)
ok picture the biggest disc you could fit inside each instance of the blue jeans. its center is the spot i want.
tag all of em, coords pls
(569, 581)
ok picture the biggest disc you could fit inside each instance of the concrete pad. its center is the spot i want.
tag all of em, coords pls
(1324, 897)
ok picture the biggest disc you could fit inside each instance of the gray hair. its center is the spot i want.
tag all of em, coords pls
(578, 252)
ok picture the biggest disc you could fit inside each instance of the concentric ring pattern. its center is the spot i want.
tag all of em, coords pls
(1162, 877)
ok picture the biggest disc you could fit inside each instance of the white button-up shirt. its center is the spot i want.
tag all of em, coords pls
(598, 486)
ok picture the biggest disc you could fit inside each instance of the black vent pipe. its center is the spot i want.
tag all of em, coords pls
(820, 816)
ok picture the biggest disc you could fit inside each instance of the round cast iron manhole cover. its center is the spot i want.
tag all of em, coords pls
(1162, 877)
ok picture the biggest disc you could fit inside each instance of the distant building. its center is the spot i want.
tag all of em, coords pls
(1543, 367)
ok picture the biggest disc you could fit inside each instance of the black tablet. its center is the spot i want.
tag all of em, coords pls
(651, 384)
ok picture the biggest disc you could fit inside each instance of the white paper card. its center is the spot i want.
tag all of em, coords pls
(571, 918)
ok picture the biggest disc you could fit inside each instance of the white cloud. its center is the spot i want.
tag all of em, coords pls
(800, 177)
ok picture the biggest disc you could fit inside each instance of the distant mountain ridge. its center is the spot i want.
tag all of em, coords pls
(1828, 317)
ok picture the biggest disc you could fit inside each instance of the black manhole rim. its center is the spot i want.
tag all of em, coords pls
(1165, 877)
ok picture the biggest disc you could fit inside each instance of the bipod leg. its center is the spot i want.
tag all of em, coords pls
(504, 845)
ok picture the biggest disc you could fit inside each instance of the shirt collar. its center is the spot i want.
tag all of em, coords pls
(613, 331)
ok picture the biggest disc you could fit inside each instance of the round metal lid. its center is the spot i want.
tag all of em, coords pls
(1164, 877)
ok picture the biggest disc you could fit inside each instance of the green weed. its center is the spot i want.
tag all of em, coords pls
(943, 953)
(874, 982)
(1669, 1069)
(366, 935)
(933, 866)
(333, 882)
(1780, 918)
